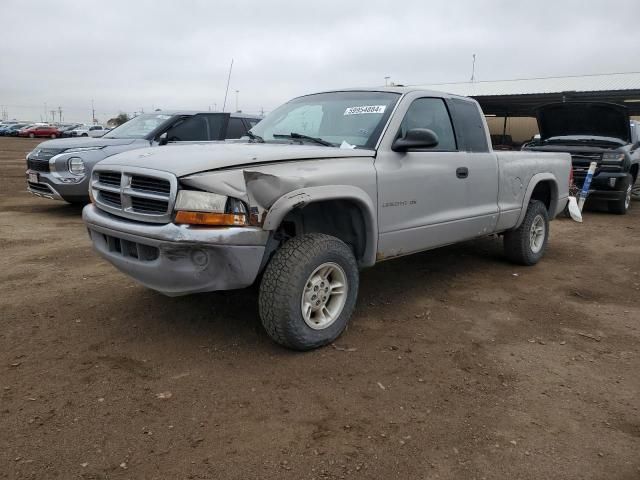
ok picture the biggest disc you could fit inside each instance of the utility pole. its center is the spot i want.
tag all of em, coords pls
(473, 69)
(93, 112)
(60, 114)
(237, 92)
(261, 111)
(53, 115)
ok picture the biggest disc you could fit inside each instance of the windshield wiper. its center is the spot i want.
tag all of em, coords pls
(254, 137)
(300, 136)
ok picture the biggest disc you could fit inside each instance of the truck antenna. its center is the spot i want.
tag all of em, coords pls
(227, 90)
(473, 69)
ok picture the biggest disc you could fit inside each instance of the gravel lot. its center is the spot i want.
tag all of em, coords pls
(456, 365)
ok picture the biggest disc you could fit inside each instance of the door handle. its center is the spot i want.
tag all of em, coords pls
(462, 172)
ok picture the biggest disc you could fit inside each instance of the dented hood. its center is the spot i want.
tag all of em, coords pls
(598, 119)
(188, 159)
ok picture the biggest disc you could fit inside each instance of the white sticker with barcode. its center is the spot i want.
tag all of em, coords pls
(365, 109)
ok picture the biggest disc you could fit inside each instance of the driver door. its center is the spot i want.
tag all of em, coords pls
(423, 194)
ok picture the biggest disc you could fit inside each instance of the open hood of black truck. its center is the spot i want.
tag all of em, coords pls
(590, 119)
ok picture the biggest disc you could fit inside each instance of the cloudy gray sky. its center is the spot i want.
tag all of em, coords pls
(129, 55)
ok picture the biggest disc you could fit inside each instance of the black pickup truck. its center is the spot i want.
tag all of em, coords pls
(594, 132)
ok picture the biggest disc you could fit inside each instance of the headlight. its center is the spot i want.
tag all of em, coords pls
(613, 157)
(82, 149)
(76, 165)
(204, 208)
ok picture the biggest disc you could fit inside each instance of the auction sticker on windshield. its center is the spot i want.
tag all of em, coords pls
(365, 109)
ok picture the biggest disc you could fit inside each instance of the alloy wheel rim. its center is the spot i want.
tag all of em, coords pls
(536, 234)
(324, 296)
(627, 198)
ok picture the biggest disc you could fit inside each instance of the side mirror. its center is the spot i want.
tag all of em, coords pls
(163, 139)
(414, 139)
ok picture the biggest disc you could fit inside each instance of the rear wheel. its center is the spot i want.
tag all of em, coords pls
(53, 135)
(84, 135)
(32, 135)
(621, 206)
(308, 291)
(527, 243)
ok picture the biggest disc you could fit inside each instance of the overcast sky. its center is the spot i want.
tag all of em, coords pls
(129, 55)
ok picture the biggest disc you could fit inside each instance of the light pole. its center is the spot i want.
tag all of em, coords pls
(386, 81)
(237, 92)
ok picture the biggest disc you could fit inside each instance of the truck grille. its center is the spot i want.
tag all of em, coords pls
(581, 162)
(153, 185)
(110, 178)
(136, 193)
(37, 165)
(110, 198)
(148, 205)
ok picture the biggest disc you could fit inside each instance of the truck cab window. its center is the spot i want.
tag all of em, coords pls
(469, 121)
(431, 113)
(236, 128)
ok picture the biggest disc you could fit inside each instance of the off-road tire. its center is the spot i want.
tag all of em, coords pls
(517, 243)
(282, 288)
(621, 206)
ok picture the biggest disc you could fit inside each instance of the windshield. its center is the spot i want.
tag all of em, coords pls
(138, 127)
(347, 119)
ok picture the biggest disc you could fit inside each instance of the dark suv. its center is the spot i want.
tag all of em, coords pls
(61, 169)
(594, 132)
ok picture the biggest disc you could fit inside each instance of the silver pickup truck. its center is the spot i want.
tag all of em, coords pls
(325, 185)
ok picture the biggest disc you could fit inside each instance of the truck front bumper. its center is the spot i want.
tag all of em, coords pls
(608, 186)
(178, 259)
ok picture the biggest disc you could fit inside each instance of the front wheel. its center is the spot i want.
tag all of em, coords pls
(527, 243)
(621, 206)
(53, 135)
(31, 135)
(308, 291)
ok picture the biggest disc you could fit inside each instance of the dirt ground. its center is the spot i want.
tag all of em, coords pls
(456, 365)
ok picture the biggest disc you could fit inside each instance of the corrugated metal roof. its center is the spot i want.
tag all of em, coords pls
(528, 86)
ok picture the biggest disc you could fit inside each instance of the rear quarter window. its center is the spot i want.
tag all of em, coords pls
(469, 125)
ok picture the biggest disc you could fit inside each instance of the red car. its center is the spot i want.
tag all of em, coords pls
(39, 131)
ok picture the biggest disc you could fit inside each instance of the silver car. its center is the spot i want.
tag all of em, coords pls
(61, 169)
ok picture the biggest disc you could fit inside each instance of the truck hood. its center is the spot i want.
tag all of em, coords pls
(189, 159)
(598, 119)
(86, 142)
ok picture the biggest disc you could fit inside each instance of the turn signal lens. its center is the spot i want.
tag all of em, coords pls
(211, 219)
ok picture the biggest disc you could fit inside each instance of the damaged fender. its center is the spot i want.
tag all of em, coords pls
(303, 196)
